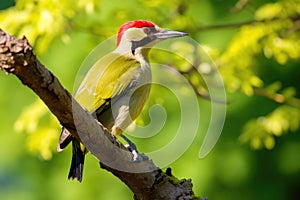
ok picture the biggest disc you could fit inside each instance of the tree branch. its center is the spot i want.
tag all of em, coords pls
(239, 24)
(145, 179)
(277, 97)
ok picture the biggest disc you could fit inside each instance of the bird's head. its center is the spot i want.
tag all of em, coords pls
(142, 34)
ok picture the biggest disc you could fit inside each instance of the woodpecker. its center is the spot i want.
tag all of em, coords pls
(116, 88)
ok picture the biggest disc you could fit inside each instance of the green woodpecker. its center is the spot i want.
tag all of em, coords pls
(116, 88)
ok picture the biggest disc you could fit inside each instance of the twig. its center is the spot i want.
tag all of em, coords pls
(239, 24)
(277, 97)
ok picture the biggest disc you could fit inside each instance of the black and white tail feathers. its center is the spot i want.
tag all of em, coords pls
(78, 154)
(77, 163)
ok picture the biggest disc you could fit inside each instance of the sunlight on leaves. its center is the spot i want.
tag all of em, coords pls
(42, 21)
(260, 132)
(268, 11)
(29, 118)
(272, 34)
(42, 142)
(41, 128)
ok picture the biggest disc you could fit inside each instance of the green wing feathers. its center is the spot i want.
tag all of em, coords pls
(106, 79)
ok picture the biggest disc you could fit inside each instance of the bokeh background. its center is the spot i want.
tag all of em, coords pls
(255, 45)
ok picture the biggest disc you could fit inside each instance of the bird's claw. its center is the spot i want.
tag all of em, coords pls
(136, 156)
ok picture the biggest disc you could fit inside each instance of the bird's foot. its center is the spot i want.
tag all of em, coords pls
(132, 148)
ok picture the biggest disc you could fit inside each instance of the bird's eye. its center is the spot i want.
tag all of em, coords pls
(146, 30)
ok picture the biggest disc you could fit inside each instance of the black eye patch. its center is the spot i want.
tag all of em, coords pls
(149, 38)
(148, 30)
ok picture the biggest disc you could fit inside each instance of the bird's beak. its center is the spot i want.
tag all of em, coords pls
(153, 38)
(165, 34)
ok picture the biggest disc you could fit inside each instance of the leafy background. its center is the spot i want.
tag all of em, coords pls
(255, 45)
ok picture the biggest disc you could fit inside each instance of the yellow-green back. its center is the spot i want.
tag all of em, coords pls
(106, 79)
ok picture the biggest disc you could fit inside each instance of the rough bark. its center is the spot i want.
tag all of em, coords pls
(145, 179)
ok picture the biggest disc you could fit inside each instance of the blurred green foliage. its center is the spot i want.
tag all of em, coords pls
(256, 48)
(42, 129)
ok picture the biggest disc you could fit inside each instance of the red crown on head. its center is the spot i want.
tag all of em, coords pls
(133, 24)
